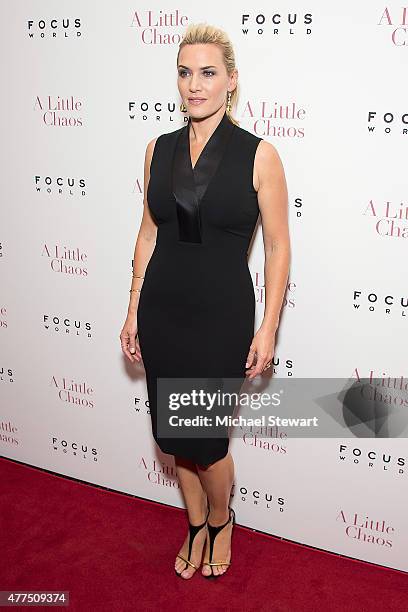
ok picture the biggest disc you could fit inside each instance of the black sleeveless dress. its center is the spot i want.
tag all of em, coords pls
(196, 307)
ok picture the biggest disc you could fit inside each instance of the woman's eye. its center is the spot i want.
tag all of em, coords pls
(182, 73)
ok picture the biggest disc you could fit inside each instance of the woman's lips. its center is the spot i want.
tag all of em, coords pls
(196, 101)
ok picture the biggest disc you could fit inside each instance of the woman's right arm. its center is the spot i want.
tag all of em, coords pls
(144, 247)
(146, 238)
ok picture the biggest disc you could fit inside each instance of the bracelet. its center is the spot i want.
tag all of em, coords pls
(135, 276)
(130, 290)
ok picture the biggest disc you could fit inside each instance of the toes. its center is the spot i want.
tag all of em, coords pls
(187, 573)
(180, 566)
(206, 571)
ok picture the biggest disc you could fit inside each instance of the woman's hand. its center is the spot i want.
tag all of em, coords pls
(128, 340)
(263, 345)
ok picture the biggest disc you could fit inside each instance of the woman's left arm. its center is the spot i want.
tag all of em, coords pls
(273, 205)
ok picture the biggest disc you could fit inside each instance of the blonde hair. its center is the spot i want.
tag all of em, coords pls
(203, 33)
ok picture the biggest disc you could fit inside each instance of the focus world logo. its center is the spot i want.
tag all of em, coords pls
(59, 185)
(372, 459)
(73, 448)
(52, 27)
(257, 497)
(387, 122)
(67, 325)
(384, 303)
(158, 111)
(282, 23)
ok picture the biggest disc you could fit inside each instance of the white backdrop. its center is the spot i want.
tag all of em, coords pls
(85, 86)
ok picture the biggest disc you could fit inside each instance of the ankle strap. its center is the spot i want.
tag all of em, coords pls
(226, 522)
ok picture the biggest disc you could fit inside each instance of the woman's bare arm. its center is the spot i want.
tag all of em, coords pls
(272, 194)
(273, 205)
(146, 238)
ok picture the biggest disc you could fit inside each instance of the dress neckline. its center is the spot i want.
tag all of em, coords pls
(222, 121)
(189, 185)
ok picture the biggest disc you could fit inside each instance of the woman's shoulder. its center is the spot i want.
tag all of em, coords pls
(248, 143)
(169, 135)
(246, 134)
(163, 138)
(160, 141)
(265, 149)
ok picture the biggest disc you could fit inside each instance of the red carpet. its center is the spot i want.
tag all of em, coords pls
(113, 552)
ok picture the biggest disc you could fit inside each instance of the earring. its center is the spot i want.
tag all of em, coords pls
(229, 102)
(182, 107)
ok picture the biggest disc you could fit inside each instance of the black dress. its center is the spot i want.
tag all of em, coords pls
(196, 308)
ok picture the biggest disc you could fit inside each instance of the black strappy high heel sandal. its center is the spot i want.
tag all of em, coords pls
(212, 532)
(193, 530)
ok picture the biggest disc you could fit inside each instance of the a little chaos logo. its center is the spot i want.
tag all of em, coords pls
(54, 27)
(259, 287)
(159, 473)
(9, 433)
(3, 317)
(73, 392)
(138, 187)
(376, 406)
(205, 402)
(66, 260)
(287, 21)
(158, 27)
(265, 438)
(271, 118)
(388, 219)
(365, 529)
(58, 111)
(395, 19)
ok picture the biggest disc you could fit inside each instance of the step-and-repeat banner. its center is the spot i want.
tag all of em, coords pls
(86, 85)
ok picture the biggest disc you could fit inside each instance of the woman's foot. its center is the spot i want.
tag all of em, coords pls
(221, 548)
(184, 569)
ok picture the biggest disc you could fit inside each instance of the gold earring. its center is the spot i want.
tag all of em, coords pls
(229, 102)
(182, 107)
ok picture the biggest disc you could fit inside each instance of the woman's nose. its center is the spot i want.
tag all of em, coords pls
(194, 83)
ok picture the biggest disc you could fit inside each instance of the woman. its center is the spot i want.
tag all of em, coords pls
(192, 304)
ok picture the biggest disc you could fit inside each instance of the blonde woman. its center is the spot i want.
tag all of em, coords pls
(192, 304)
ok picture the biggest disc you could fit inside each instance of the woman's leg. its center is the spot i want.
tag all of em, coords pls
(196, 503)
(217, 479)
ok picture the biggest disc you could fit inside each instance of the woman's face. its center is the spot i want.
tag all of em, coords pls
(202, 80)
